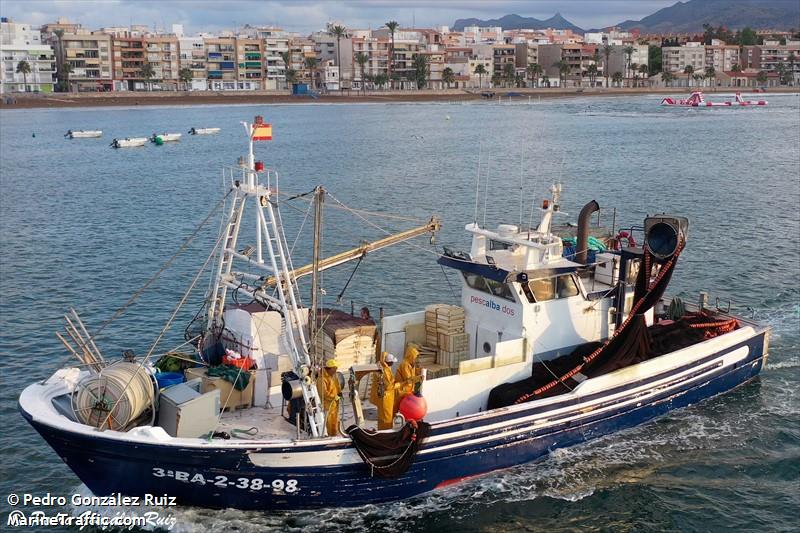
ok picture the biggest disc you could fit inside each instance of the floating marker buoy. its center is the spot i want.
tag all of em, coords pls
(447, 117)
(33, 134)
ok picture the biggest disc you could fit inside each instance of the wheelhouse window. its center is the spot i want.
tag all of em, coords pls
(489, 286)
(500, 245)
(554, 288)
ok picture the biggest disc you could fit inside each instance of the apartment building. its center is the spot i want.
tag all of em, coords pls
(192, 53)
(161, 52)
(771, 54)
(675, 58)
(457, 59)
(377, 50)
(221, 63)
(275, 45)
(722, 57)
(301, 48)
(128, 52)
(250, 64)
(19, 42)
(89, 57)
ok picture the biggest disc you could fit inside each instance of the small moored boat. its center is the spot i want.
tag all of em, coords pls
(165, 137)
(83, 134)
(204, 131)
(128, 142)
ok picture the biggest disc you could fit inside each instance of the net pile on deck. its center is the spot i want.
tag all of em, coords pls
(389, 454)
(348, 339)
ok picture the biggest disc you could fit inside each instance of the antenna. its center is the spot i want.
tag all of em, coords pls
(521, 166)
(478, 182)
(486, 193)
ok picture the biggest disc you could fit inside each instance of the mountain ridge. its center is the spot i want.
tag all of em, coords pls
(681, 17)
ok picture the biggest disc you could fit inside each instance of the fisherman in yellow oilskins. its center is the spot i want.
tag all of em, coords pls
(406, 375)
(383, 391)
(330, 392)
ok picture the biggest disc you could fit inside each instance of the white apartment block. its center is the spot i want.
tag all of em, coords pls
(676, 58)
(19, 42)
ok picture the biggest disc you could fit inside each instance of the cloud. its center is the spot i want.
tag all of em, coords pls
(306, 16)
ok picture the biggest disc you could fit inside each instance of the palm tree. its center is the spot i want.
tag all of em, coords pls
(792, 58)
(287, 59)
(24, 68)
(711, 74)
(628, 50)
(339, 32)
(291, 76)
(185, 76)
(508, 73)
(736, 68)
(688, 70)
(392, 25)
(563, 71)
(381, 80)
(634, 71)
(311, 65)
(480, 70)
(534, 70)
(421, 70)
(60, 62)
(591, 71)
(66, 70)
(362, 59)
(448, 76)
(644, 70)
(761, 77)
(607, 54)
(546, 80)
(617, 78)
(147, 72)
(667, 78)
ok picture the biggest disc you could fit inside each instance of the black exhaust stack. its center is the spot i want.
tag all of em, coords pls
(582, 244)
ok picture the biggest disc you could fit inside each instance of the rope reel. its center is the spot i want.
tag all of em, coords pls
(115, 397)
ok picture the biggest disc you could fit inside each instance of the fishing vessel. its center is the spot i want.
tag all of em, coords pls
(549, 346)
(165, 137)
(697, 99)
(83, 134)
(129, 142)
(203, 131)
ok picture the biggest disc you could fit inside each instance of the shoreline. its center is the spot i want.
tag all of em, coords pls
(78, 100)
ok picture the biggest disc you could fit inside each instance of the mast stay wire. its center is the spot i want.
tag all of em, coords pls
(161, 270)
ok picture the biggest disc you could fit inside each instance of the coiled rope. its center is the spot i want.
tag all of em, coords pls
(115, 397)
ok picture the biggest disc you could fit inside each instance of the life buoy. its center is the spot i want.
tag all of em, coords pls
(629, 239)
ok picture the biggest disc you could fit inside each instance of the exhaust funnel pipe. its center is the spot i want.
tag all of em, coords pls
(583, 231)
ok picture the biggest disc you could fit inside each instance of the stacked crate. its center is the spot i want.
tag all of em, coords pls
(348, 339)
(444, 330)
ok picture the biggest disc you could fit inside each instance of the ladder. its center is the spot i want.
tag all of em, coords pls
(280, 261)
(220, 291)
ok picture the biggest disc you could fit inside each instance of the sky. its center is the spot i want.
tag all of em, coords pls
(306, 16)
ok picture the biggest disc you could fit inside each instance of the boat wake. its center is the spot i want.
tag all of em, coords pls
(569, 474)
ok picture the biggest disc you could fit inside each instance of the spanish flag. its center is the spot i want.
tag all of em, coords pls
(262, 132)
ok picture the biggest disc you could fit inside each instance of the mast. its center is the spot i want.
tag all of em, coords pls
(319, 196)
(270, 238)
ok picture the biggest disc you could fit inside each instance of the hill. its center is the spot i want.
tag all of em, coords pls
(516, 22)
(687, 17)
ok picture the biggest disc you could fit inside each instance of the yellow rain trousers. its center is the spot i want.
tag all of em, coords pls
(329, 391)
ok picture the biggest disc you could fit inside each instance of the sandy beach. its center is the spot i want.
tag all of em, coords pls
(28, 101)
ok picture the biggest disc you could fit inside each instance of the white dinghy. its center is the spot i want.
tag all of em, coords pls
(204, 131)
(128, 142)
(83, 134)
(165, 137)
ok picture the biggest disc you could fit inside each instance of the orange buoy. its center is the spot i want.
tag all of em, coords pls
(413, 407)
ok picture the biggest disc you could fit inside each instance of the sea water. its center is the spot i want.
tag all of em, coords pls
(84, 225)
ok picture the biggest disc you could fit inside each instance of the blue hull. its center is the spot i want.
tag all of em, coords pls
(222, 478)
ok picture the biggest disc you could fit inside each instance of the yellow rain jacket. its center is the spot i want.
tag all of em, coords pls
(382, 395)
(406, 373)
(329, 391)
